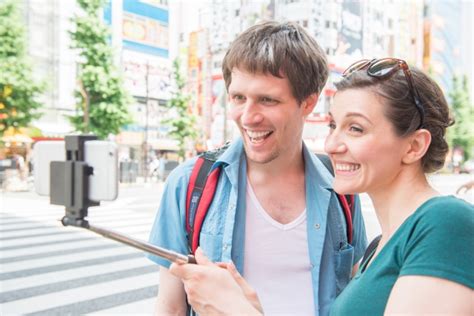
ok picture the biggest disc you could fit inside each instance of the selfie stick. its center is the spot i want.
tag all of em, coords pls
(69, 185)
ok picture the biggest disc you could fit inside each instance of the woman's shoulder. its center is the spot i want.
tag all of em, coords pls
(446, 212)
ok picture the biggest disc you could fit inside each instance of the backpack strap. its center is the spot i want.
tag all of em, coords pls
(370, 249)
(346, 201)
(201, 188)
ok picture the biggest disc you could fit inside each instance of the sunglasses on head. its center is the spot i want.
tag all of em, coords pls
(385, 67)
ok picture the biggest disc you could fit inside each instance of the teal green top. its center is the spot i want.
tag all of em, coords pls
(437, 240)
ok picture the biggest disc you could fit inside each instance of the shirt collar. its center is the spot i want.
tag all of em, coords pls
(316, 170)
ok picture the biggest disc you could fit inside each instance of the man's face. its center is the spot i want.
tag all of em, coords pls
(268, 115)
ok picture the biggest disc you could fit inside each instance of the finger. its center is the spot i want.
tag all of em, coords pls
(221, 264)
(248, 291)
(238, 277)
(201, 258)
(183, 271)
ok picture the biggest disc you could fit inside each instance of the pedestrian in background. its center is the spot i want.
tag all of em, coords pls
(387, 130)
(274, 213)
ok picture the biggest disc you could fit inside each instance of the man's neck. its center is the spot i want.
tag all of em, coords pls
(287, 164)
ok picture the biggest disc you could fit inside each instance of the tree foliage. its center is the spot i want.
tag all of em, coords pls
(461, 133)
(19, 92)
(102, 101)
(182, 123)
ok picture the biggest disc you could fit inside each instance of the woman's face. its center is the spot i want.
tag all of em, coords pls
(364, 149)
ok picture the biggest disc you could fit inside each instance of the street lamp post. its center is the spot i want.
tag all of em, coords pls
(145, 138)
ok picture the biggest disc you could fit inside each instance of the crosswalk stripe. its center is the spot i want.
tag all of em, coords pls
(101, 303)
(71, 274)
(78, 301)
(145, 306)
(65, 266)
(63, 252)
(21, 233)
(40, 248)
(22, 237)
(75, 283)
(27, 245)
(28, 227)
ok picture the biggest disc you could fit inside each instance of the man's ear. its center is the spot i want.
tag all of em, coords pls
(309, 103)
(418, 145)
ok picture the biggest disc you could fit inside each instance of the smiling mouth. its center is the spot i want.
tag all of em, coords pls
(347, 167)
(257, 137)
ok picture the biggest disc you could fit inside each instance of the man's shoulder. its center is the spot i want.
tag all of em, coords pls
(181, 173)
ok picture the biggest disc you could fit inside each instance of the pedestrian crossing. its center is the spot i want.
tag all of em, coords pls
(49, 269)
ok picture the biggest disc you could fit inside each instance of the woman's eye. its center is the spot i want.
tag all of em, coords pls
(332, 125)
(356, 129)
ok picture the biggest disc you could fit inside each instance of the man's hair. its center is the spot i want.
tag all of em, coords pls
(282, 50)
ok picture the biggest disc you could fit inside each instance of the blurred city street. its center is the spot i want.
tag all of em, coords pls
(48, 269)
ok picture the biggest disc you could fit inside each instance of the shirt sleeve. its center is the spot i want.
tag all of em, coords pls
(168, 230)
(441, 244)
(358, 231)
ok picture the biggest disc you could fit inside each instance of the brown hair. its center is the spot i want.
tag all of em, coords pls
(281, 49)
(401, 110)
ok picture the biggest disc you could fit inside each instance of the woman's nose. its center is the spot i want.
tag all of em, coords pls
(334, 144)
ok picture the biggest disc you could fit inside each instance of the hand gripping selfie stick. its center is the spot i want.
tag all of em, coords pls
(69, 185)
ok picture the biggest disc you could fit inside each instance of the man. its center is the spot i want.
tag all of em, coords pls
(274, 213)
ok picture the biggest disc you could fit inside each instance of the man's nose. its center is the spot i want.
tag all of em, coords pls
(252, 113)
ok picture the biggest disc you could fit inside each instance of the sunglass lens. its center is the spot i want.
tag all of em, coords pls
(355, 66)
(383, 67)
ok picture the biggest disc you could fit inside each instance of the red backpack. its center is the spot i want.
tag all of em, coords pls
(202, 186)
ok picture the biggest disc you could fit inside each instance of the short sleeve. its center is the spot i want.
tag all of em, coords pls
(441, 243)
(168, 230)
(358, 232)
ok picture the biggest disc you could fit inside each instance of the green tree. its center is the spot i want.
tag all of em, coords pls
(19, 92)
(182, 123)
(461, 134)
(102, 101)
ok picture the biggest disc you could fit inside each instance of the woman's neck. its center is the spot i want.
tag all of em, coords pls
(395, 202)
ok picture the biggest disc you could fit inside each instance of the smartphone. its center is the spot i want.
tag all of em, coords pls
(102, 156)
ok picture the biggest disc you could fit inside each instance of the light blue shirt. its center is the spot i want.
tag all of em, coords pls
(223, 231)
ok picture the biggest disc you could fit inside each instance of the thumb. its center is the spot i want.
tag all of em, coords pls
(201, 258)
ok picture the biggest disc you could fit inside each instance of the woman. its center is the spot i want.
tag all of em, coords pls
(387, 130)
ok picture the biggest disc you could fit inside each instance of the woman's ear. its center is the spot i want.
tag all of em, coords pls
(418, 145)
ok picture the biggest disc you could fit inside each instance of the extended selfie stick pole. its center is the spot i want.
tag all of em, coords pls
(69, 185)
(136, 243)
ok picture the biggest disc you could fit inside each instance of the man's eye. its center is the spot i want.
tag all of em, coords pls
(238, 98)
(268, 100)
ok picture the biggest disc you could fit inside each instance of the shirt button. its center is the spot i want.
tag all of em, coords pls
(224, 248)
(317, 226)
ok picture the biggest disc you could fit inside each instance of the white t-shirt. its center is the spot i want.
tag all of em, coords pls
(276, 261)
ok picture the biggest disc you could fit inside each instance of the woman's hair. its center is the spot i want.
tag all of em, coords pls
(280, 49)
(401, 110)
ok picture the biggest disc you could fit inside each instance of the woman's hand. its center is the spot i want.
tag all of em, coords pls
(216, 288)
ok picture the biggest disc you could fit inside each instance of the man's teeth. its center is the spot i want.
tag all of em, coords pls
(347, 167)
(257, 136)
